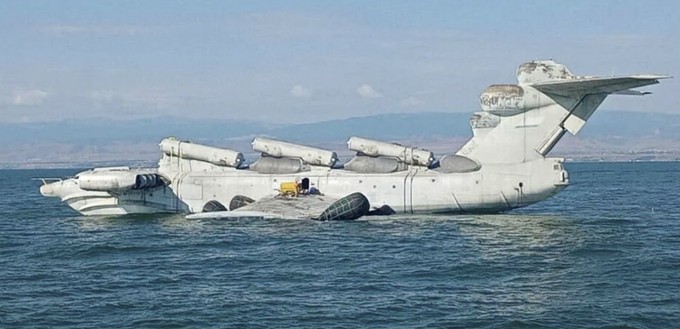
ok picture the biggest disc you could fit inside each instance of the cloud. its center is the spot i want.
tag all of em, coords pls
(367, 91)
(411, 102)
(103, 96)
(26, 97)
(300, 92)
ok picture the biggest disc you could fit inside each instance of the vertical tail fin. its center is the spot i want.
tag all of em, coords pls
(525, 121)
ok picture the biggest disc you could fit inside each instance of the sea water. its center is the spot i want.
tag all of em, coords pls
(603, 253)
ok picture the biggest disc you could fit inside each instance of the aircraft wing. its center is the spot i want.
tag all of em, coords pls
(586, 86)
(316, 207)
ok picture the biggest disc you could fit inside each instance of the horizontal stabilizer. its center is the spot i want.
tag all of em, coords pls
(632, 92)
(582, 96)
(572, 87)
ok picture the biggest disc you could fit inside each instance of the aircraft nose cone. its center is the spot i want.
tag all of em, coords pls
(47, 190)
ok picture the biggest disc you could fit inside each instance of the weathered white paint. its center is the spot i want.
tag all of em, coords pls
(517, 128)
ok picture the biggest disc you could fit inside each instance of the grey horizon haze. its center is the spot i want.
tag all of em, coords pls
(308, 61)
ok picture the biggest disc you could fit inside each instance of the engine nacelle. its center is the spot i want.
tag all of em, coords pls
(309, 155)
(214, 155)
(408, 155)
(508, 100)
(113, 179)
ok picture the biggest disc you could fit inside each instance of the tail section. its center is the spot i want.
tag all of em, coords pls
(525, 121)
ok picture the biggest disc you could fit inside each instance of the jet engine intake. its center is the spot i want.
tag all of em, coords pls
(144, 181)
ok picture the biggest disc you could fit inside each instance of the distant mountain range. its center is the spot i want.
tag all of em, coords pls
(89, 141)
(384, 126)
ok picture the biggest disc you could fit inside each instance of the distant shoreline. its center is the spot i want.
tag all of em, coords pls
(147, 164)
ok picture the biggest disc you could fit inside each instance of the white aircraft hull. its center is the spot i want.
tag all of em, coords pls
(417, 190)
(503, 166)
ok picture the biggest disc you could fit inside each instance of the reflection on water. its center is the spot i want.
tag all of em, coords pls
(94, 224)
(522, 253)
(521, 231)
